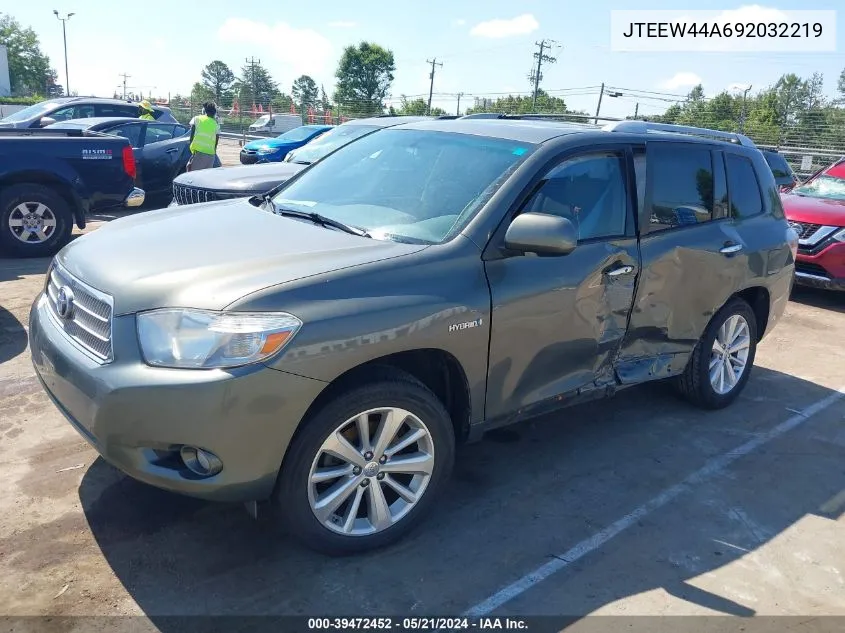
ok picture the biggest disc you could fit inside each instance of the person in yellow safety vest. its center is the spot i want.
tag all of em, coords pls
(205, 133)
(146, 111)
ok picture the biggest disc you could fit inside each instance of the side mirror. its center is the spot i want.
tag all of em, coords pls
(45, 121)
(542, 234)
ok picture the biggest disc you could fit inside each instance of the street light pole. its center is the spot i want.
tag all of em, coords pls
(64, 37)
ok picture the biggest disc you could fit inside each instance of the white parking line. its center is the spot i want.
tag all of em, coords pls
(588, 545)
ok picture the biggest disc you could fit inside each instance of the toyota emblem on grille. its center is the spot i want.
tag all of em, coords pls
(64, 302)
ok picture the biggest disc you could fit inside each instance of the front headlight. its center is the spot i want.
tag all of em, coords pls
(839, 236)
(203, 339)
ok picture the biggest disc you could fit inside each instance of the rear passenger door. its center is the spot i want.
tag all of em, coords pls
(694, 257)
(557, 322)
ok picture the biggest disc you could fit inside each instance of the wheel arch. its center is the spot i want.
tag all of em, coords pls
(59, 185)
(759, 299)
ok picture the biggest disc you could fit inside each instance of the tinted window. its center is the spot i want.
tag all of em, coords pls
(780, 168)
(179, 130)
(109, 109)
(587, 190)
(681, 182)
(131, 131)
(73, 112)
(406, 185)
(157, 132)
(744, 190)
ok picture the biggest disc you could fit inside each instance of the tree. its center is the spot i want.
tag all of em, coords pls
(840, 86)
(522, 104)
(255, 85)
(200, 93)
(324, 100)
(218, 78)
(364, 76)
(416, 107)
(29, 68)
(304, 92)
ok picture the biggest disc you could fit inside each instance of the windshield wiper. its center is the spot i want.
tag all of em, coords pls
(316, 218)
(301, 162)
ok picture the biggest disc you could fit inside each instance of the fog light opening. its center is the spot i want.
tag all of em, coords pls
(201, 462)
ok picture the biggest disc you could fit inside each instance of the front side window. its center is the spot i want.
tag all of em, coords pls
(73, 112)
(158, 132)
(587, 190)
(681, 186)
(406, 185)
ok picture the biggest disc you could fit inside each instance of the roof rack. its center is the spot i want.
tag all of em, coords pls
(642, 127)
(551, 117)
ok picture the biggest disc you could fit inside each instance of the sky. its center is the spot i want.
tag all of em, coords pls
(486, 48)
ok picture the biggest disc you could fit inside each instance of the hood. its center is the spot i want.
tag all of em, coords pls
(210, 255)
(247, 179)
(275, 143)
(824, 211)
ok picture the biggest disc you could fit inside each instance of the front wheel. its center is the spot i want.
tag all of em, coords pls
(367, 467)
(721, 362)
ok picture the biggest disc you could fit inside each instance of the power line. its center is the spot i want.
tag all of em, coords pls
(433, 63)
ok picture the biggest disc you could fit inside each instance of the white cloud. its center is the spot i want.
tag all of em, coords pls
(459, 22)
(341, 24)
(681, 80)
(498, 28)
(284, 42)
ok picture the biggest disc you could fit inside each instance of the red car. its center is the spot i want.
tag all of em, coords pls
(816, 210)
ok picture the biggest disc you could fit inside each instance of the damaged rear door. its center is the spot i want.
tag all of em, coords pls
(557, 322)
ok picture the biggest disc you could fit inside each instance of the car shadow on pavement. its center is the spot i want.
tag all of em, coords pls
(510, 507)
(827, 299)
(13, 337)
(13, 269)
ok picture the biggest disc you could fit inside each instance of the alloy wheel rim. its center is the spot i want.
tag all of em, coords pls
(729, 355)
(32, 222)
(371, 471)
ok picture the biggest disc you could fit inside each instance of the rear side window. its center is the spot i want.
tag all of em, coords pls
(112, 109)
(743, 188)
(780, 168)
(680, 186)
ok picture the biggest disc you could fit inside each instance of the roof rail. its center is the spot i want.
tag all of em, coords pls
(641, 127)
(552, 117)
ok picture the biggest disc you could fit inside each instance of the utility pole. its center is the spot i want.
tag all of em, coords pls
(636, 110)
(125, 77)
(458, 111)
(536, 75)
(64, 37)
(742, 114)
(433, 63)
(252, 62)
(598, 107)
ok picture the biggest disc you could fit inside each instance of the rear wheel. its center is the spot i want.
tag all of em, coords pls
(721, 362)
(34, 221)
(367, 467)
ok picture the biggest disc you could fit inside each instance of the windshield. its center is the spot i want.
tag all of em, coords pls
(823, 187)
(406, 185)
(298, 133)
(262, 120)
(31, 112)
(328, 143)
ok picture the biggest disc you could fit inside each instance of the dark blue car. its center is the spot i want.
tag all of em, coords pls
(161, 149)
(274, 150)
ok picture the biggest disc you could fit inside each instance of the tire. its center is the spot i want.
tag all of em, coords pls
(25, 204)
(296, 494)
(695, 384)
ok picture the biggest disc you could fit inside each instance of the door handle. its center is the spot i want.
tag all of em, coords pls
(730, 248)
(621, 270)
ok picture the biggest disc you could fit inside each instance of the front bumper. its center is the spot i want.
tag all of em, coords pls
(249, 158)
(824, 269)
(137, 417)
(135, 198)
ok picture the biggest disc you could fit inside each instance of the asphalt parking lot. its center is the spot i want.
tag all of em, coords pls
(639, 505)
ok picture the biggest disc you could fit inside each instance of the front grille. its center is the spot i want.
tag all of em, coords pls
(811, 269)
(804, 229)
(89, 322)
(183, 194)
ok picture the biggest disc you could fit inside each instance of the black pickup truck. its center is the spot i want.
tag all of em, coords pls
(52, 179)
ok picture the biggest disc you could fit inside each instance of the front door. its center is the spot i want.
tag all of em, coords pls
(557, 322)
